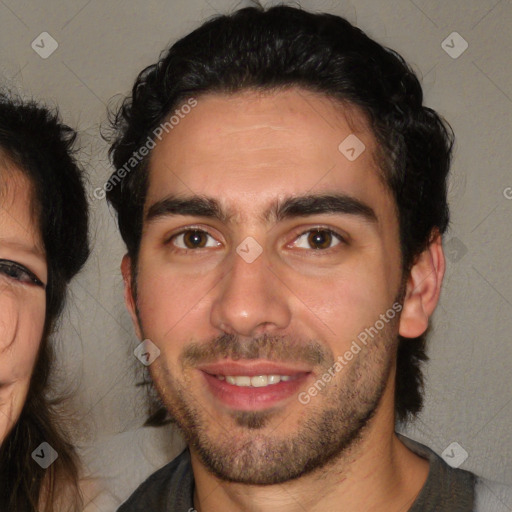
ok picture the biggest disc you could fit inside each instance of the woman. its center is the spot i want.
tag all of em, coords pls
(43, 244)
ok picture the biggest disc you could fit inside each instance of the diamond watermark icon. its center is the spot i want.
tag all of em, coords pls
(454, 455)
(351, 147)
(249, 249)
(45, 455)
(44, 45)
(454, 45)
(146, 352)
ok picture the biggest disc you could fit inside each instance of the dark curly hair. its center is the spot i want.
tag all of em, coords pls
(34, 142)
(282, 47)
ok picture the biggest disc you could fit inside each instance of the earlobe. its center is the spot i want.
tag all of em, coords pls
(423, 289)
(126, 270)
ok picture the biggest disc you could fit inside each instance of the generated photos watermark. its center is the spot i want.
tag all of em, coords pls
(143, 151)
(363, 337)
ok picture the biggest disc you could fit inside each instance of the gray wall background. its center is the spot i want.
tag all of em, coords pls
(101, 48)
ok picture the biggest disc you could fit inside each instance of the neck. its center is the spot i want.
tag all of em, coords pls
(377, 473)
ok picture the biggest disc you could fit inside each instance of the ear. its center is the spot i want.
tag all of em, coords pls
(423, 289)
(126, 270)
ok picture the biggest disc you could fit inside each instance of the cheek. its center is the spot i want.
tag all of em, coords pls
(171, 302)
(349, 300)
(21, 329)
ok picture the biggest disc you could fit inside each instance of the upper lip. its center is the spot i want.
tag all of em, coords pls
(252, 368)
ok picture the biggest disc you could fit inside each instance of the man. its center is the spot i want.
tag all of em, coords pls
(281, 190)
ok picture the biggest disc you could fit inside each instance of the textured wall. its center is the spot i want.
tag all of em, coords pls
(101, 48)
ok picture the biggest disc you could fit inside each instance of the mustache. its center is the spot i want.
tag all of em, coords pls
(268, 347)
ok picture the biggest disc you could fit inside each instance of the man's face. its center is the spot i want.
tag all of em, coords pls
(252, 290)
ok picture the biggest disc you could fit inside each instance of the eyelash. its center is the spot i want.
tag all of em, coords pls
(23, 274)
(321, 229)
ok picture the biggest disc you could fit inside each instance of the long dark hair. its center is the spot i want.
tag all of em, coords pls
(34, 141)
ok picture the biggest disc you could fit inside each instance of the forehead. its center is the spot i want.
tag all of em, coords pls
(18, 223)
(249, 148)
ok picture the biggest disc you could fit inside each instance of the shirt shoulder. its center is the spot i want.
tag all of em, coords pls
(447, 489)
(170, 489)
(450, 489)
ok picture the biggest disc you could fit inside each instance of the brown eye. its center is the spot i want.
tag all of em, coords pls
(194, 239)
(318, 239)
(191, 239)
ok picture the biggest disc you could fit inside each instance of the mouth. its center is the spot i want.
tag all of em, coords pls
(258, 381)
(253, 385)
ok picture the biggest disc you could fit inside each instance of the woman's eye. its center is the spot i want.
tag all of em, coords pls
(193, 239)
(318, 239)
(19, 273)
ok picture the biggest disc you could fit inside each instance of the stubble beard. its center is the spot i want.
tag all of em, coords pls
(254, 452)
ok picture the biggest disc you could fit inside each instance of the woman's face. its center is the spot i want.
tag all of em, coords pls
(23, 276)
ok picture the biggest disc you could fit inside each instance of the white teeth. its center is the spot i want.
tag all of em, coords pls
(258, 381)
(274, 379)
(242, 380)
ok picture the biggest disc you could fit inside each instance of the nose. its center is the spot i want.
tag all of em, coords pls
(251, 299)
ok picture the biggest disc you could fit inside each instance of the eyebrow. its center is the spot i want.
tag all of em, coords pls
(279, 210)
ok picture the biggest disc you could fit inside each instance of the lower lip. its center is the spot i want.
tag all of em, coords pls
(248, 398)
